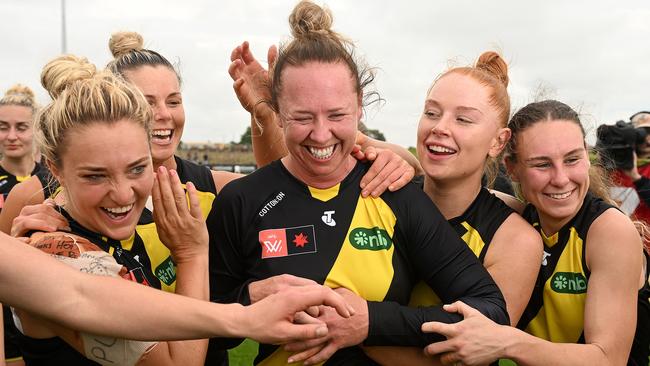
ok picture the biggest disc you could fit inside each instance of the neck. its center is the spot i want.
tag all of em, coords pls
(20, 167)
(169, 163)
(453, 197)
(319, 181)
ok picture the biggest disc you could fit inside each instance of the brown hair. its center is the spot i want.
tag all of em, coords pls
(83, 96)
(314, 40)
(550, 110)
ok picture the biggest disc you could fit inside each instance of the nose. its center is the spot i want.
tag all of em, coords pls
(321, 132)
(122, 191)
(12, 135)
(560, 177)
(441, 126)
(161, 112)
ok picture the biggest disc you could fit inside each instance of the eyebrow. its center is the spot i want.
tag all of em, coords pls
(174, 94)
(543, 158)
(17, 122)
(431, 102)
(99, 169)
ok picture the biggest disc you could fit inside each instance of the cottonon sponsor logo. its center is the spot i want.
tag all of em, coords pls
(569, 283)
(544, 258)
(328, 219)
(272, 203)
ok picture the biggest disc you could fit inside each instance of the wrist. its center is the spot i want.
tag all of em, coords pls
(237, 323)
(515, 344)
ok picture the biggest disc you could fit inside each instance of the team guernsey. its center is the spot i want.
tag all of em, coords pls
(555, 311)
(270, 223)
(146, 258)
(8, 181)
(476, 227)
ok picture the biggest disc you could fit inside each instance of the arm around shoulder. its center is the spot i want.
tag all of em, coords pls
(29, 192)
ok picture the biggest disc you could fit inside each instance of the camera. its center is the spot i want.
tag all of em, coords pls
(618, 142)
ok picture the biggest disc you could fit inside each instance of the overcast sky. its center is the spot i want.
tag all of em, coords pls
(593, 55)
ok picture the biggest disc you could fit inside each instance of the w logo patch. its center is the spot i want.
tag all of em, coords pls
(287, 241)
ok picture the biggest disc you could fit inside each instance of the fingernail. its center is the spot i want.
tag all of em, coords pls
(290, 360)
(321, 331)
(364, 193)
(363, 185)
(391, 188)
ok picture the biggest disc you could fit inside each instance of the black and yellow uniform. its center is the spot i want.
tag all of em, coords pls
(555, 311)
(270, 223)
(143, 254)
(476, 227)
(7, 182)
(50, 185)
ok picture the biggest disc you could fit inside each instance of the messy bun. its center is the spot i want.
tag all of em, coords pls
(122, 43)
(308, 19)
(129, 55)
(315, 41)
(20, 95)
(492, 62)
(82, 96)
(64, 71)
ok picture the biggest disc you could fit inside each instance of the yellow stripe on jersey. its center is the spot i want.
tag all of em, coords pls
(325, 194)
(368, 272)
(360, 267)
(422, 294)
(561, 319)
(22, 178)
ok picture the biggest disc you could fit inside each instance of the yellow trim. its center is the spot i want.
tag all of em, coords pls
(22, 178)
(325, 194)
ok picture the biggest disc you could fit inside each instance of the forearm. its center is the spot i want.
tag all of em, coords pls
(526, 349)
(267, 138)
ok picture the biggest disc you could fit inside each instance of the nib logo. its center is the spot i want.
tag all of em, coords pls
(287, 241)
(569, 283)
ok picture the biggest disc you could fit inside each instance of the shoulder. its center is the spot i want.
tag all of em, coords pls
(221, 178)
(509, 200)
(30, 191)
(516, 234)
(612, 237)
(254, 184)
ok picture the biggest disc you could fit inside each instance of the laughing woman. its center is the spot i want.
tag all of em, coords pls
(94, 113)
(583, 308)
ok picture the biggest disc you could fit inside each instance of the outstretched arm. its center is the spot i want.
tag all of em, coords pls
(252, 87)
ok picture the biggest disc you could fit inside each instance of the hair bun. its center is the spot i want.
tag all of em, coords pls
(122, 43)
(63, 71)
(20, 90)
(493, 63)
(307, 18)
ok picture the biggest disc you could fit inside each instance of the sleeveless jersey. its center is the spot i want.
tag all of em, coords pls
(270, 223)
(8, 181)
(641, 344)
(555, 311)
(476, 227)
(143, 254)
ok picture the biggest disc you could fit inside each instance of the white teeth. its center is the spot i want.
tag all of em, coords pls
(161, 133)
(440, 149)
(559, 196)
(118, 210)
(321, 153)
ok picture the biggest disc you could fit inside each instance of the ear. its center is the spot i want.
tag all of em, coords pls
(511, 169)
(499, 142)
(55, 171)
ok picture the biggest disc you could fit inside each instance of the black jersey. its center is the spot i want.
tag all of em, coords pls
(476, 227)
(8, 181)
(146, 258)
(555, 311)
(270, 223)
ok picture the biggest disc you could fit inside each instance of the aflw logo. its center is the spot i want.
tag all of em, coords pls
(273, 247)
